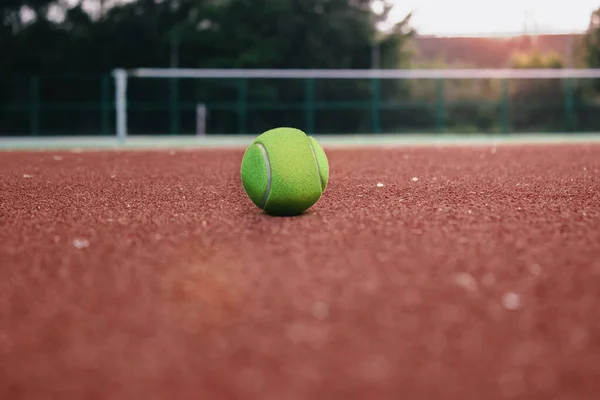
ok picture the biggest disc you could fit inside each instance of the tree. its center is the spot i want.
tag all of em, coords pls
(203, 34)
(537, 60)
(538, 103)
(592, 41)
(206, 33)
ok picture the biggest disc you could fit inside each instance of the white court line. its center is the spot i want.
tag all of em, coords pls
(331, 141)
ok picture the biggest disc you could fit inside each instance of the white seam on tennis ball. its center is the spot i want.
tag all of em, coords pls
(316, 163)
(268, 165)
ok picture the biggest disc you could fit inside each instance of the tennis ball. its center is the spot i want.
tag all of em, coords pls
(284, 171)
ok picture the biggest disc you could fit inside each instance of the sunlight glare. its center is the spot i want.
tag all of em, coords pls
(472, 17)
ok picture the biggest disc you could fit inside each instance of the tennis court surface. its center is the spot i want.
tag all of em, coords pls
(424, 272)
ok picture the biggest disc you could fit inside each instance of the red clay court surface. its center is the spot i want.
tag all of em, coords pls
(150, 275)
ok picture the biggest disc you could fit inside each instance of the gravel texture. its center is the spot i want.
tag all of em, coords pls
(422, 273)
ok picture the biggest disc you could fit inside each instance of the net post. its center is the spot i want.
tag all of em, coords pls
(201, 120)
(120, 76)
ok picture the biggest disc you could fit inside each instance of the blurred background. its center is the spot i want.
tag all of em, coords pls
(57, 58)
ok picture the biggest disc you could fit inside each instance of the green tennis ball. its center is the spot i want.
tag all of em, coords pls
(284, 171)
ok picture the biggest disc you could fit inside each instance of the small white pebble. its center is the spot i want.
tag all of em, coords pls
(81, 243)
(27, 176)
(57, 158)
(466, 281)
(320, 310)
(470, 212)
(415, 179)
(511, 301)
(379, 184)
(113, 176)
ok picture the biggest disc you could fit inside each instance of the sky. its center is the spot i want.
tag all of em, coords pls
(496, 17)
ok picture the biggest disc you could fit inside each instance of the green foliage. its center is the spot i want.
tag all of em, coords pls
(256, 34)
(198, 34)
(592, 51)
(537, 60)
(204, 33)
(592, 41)
(537, 99)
